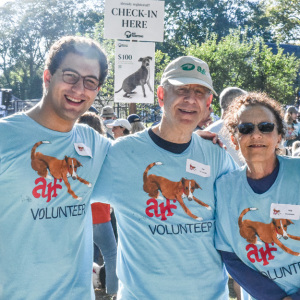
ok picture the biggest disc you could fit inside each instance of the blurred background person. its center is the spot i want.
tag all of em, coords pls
(226, 97)
(136, 123)
(292, 126)
(120, 127)
(108, 116)
(103, 233)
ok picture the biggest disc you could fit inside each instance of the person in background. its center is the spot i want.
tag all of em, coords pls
(108, 116)
(293, 130)
(135, 122)
(103, 233)
(226, 97)
(120, 127)
(166, 242)
(257, 221)
(45, 217)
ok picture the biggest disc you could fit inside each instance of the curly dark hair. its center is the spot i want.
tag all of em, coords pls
(231, 116)
(77, 45)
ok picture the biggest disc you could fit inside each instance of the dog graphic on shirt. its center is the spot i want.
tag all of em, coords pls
(51, 167)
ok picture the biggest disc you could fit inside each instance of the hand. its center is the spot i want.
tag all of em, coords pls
(207, 135)
(287, 298)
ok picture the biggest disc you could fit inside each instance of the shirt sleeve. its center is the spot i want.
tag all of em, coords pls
(222, 221)
(103, 190)
(253, 282)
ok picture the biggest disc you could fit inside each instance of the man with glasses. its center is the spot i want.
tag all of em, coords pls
(161, 187)
(48, 169)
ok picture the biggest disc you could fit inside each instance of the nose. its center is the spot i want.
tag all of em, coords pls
(191, 97)
(256, 132)
(78, 86)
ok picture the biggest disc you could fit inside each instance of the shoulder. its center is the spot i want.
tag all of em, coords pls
(215, 126)
(207, 145)
(130, 140)
(230, 178)
(86, 132)
(289, 162)
(16, 121)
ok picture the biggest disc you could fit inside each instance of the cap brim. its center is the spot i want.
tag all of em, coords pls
(186, 80)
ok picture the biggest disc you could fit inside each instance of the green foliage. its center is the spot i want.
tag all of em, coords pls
(284, 16)
(28, 28)
(248, 64)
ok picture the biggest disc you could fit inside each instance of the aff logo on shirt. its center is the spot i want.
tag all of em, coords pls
(161, 210)
(45, 190)
(262, 254)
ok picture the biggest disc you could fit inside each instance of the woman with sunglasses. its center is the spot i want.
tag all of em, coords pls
(258, 207)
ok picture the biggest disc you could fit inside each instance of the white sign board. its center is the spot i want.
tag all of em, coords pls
(134, 72)
(134, 20)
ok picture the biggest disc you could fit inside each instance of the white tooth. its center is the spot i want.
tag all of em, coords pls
(73, 100)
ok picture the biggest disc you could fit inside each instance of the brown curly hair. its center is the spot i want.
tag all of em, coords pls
(231, 116)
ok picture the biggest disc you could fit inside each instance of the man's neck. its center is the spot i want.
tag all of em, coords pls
(173, 134)
(41, 115)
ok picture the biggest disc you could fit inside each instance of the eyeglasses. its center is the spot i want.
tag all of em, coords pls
(72, 77)
(185, 91)
(264, 127)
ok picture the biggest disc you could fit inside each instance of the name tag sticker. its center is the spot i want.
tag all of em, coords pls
(83, 150)
(285, 211)
(197, 168)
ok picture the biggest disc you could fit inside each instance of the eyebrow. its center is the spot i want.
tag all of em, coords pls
(72, 70)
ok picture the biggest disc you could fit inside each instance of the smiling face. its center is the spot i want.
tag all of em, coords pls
(65, 102)
(184, 106)
(257, 147)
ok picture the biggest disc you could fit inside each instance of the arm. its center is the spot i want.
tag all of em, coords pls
(253, 282)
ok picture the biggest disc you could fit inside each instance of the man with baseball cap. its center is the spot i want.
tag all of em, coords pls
(161, 187)
(108, 115)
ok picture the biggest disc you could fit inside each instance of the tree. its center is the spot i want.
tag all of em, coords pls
(248, 64)
(284, 16)
(189, 22)
(28, 28)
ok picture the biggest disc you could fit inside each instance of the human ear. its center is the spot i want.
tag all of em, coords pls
(209, 100)
(234, 141)
(160, 96)
(47, 77)
(279, 141)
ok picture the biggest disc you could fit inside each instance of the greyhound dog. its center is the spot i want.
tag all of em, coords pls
(140, 77)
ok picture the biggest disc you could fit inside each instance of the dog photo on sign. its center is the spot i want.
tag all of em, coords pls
(140, 77)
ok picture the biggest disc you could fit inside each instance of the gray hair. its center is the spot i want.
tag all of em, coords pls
(228, 95)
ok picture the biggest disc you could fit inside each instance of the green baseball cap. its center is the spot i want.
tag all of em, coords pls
(188, 70)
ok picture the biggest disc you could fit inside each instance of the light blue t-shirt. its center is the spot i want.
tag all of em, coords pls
(163, 253)
(45, 232)
(236, 221)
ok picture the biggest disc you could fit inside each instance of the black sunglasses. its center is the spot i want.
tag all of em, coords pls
(264, 127)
